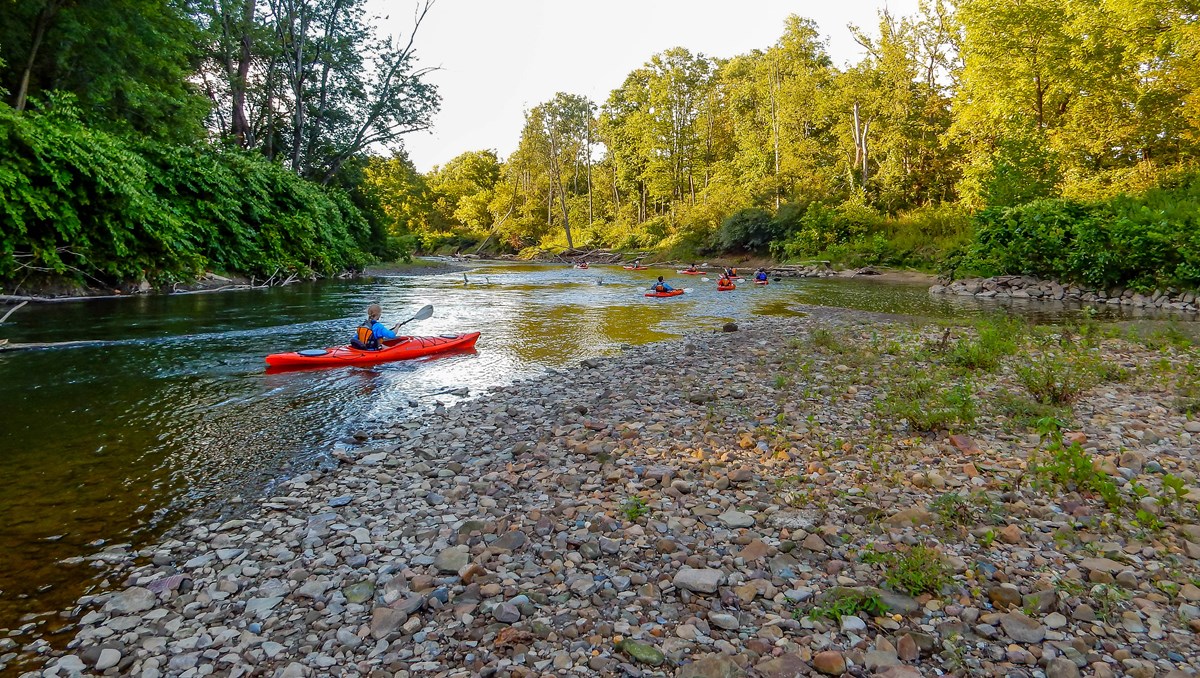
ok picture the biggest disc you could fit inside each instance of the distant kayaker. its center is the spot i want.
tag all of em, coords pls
(662, 286)
(691, 268)
(371, 331)
(761, 275)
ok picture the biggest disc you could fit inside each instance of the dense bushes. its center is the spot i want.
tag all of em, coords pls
(854, 234)
(1144, 242)
(748, 229)
(84, 204)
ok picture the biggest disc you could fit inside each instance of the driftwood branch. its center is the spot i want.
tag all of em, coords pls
(16, 298)
(48, 344)
(12, 310)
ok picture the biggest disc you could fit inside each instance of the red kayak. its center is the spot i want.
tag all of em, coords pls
(760, 282)
(691, 272)
(400, 348)
(726, 288)
(672, 293)
(636, 268)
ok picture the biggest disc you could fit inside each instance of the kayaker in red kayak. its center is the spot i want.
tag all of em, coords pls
(662, 286)
(371, 331)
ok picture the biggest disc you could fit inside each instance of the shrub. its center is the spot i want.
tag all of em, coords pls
(749, 229)
(916, 571)
(1057, 378)
(930, 405)
(1140, 242)
(954, 509)
(1025, 411)
(87, 205)
(1070, 468)
(843, 602)
(984, 352)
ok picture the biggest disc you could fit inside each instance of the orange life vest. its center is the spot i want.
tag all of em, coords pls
(365, 338)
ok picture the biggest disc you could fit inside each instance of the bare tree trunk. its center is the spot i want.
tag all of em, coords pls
(860, 131)
(240, 124)
(39, 32)
(775, 128)
(556, 171)
(297, 68)
(616, 192)
(591, 217)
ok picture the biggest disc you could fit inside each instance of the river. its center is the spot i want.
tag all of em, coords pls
(172, 414)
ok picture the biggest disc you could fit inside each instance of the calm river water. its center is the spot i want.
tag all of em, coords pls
(113, 443)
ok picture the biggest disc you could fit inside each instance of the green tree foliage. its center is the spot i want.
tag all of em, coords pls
(1144, 242)
(962, 106)
(127, 62)
(461, 190)
(1084, 93)
(311, 81)
(88, 205)
(748, 229)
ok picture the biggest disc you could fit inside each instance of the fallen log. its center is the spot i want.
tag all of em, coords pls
(5, 345)
(15, 298)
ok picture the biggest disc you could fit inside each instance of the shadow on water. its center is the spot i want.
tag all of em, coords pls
(113, 443)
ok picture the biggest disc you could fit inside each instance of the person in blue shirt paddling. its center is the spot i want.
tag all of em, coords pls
(371, 331)
(761, 275)
(662, 286)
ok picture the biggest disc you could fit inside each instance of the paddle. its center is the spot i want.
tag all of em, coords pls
(422, 314)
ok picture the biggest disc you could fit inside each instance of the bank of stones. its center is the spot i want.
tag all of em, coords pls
(598, 522)
(1028, 287)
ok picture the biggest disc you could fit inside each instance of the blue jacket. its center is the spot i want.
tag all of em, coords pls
(381, 331)
(665, 287)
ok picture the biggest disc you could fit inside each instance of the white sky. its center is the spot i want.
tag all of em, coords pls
(501, 57)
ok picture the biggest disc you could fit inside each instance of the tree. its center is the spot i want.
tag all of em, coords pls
(312, 79)
(401, 193)
(127, 62)
(461, 190)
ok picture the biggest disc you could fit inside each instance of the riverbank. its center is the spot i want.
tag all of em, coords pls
(755, 486)
(1029, 287)
(418, 266)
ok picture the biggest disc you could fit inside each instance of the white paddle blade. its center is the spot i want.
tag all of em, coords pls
(424, 313)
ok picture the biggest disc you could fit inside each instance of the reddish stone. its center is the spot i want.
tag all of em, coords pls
(964, 444)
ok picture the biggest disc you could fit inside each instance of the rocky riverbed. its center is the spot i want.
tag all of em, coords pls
(738, 503)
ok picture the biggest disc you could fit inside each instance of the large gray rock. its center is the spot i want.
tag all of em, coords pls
(705, 580)
(259, 607)
(1022, 629)
(452, 560)
(736, 519)
(385, 621)
(108, 659)
(1061, 667)
(131, 600)
(711, 666)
